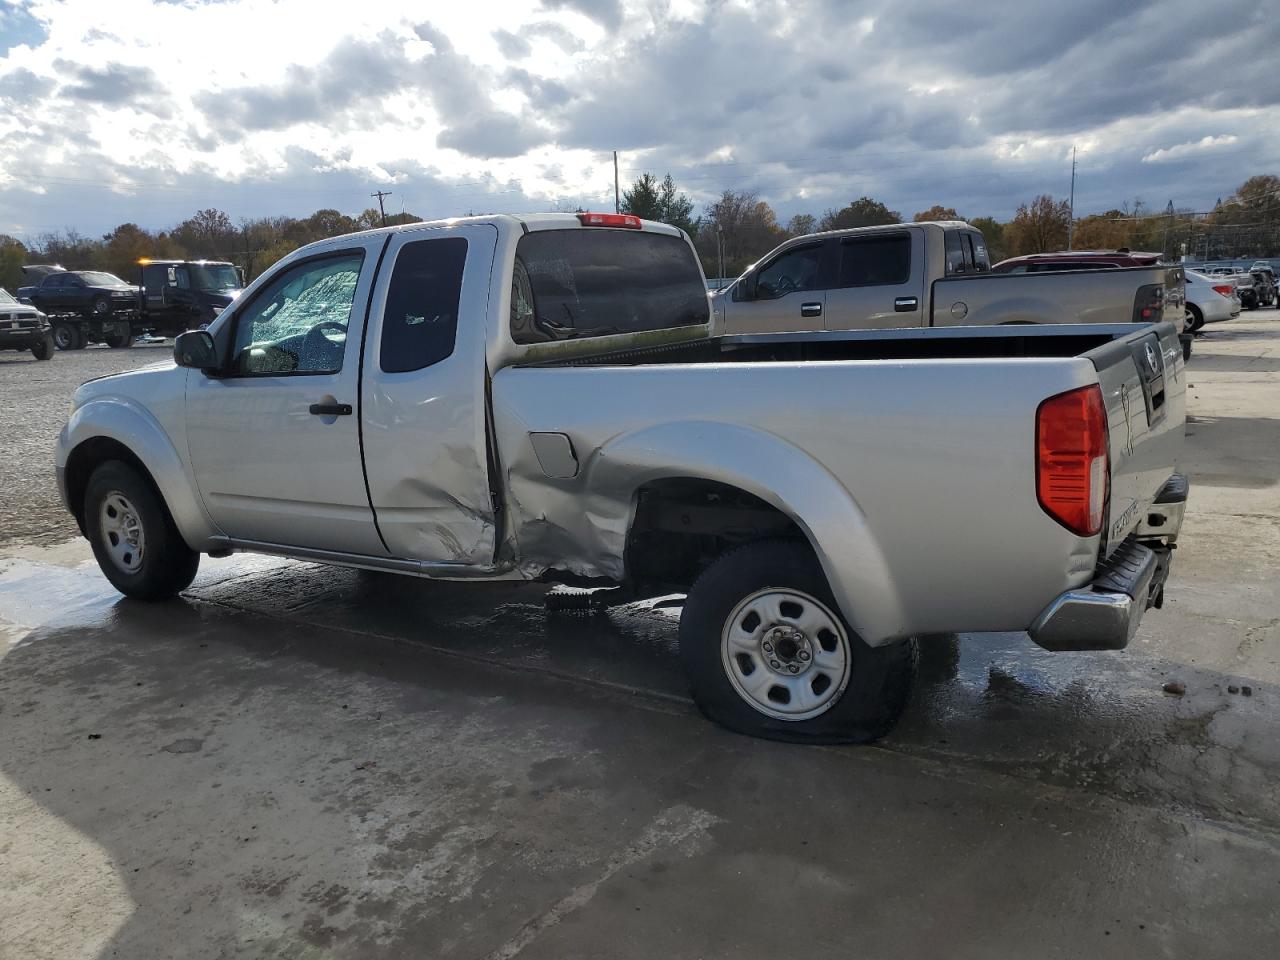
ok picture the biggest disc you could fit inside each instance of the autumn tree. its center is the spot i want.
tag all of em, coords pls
(747, 227)
(937, 212)
(801, 224)
(1039, 227)
(13, 254)
(863, 212)
(1102, 231)
(210, 233)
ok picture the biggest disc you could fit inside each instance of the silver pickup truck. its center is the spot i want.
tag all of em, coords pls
(539, 398)
(932, 275)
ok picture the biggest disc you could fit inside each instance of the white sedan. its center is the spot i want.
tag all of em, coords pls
(1210, 299)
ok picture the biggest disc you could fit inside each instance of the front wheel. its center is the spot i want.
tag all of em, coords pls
(133, 537)
(43, 348)
(768, 653)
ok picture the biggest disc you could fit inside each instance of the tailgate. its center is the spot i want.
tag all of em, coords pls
(1143, 381)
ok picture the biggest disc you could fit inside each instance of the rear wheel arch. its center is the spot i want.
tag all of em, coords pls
(681, 525)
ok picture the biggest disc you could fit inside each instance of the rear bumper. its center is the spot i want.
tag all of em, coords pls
(1104, 615)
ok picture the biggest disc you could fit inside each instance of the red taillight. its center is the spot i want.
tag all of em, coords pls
(609, 220)
(1225, 289)
(1148, 305)
(1071, 459)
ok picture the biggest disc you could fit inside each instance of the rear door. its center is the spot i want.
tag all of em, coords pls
(424, 396)
(879, 282)
(790, 293)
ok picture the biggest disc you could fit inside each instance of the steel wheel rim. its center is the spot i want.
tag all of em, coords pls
(122, 532)
(785, 654)
(101, 306)
(62, 337)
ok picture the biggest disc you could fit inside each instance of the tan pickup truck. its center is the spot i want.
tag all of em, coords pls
(932, 275)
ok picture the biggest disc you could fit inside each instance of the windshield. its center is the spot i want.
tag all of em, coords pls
(96, 279)
(214, 276)
(592, 283)
(6, 296)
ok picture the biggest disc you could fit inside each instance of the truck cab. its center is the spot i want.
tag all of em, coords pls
(180, 294)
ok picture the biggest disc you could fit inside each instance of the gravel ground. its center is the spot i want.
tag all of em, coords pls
(34, 398)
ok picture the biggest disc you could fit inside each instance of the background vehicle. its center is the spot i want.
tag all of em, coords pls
(1210, 300)
(86, 306)
(932, 274)
(1264, 285)
(23, 327)
(585, 428)
(180, 295)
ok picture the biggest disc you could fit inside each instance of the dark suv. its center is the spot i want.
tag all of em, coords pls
(86, 305)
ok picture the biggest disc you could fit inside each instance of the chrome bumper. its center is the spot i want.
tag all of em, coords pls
(1105, 615)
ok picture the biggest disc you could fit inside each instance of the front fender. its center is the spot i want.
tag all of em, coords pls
(133, 426)
(777, 472)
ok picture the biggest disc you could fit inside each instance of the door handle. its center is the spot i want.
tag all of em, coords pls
(811, 309)
(905, 304)
(331, 409)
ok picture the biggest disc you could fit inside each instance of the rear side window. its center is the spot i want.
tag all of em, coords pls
(978, 252)
(587, 282)
(420, 322)
(954, 245)
(875, 260)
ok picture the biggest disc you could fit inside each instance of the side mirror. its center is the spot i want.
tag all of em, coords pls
(195, 349)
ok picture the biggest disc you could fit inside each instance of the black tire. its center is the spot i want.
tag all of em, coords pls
(43, 349)
(166, 565)
(119, 337)
(879, 679)
(1197, 318)
(68, 336)
(1186, 349)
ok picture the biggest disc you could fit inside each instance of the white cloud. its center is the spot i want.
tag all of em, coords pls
(1181, 151)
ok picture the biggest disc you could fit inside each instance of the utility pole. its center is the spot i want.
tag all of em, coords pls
(617, 203)
(382, 210)
(1071, 223)
(720, 247)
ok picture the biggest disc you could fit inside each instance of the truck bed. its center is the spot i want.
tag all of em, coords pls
(931, 434)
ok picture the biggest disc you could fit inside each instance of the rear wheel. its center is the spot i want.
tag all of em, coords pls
(133, 537)
(68, 336)
(118, 336)
(768, 653)
(43, 348)
(1195, 319)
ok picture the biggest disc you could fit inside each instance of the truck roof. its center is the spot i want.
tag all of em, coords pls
(149, 262)
(527, 221)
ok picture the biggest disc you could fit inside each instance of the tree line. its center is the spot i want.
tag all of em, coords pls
(736, 229)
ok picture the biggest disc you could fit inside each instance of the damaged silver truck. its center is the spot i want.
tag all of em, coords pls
(540, 398)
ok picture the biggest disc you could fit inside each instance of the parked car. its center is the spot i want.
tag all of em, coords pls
(586, 428)
(932, 274)
(179, 295)
(86, 306)
(23, 327)
(1210, 300)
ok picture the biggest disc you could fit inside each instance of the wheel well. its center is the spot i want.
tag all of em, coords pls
(683, 524)
(86, 458)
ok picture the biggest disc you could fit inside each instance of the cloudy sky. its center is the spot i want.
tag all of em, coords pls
(144, 110)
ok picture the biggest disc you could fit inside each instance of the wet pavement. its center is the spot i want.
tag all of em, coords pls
(300, 761)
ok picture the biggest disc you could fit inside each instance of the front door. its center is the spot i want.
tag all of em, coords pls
(275, 440)
(789, 294)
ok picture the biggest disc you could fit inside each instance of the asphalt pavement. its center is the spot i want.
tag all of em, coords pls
(299, 761)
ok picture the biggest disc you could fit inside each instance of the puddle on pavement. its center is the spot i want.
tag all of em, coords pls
(1098, 721)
